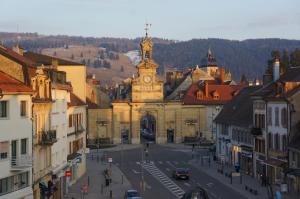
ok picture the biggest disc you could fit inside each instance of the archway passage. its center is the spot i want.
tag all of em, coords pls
(148, 129)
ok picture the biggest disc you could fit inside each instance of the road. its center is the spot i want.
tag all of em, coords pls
(157, 173)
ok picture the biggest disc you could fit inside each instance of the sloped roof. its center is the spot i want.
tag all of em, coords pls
(10, 85)
(9, 53)
(75, 101)
(226, 92)
(269, 90)
(91, 105)
(292, 75)
(239, 111)
(40, 59)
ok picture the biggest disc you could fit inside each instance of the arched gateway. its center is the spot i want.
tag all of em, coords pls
(141, 113)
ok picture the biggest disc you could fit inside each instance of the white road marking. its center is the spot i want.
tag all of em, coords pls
(169, 163)
(210, 184)
(160, 162)
(187, 184)
(136, 172)
(163, 179)
(175, 162)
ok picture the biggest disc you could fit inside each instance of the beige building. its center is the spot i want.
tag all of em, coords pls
(144, 111)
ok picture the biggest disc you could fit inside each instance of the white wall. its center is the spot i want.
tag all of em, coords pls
(59, 123)
(15, 127)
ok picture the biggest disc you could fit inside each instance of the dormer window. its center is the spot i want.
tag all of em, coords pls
(199, 94)
(216, 95)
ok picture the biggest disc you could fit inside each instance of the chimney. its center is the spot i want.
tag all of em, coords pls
(276, 69)
(222, 75)
(206, 89)
(18, 50)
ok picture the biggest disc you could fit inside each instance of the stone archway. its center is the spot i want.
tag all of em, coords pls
(148, 128)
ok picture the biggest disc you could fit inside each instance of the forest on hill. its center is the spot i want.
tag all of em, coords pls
(249, 57)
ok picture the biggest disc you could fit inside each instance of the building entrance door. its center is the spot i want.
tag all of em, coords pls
(170, 135)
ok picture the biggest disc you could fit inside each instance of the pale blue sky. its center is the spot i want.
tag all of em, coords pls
(171, 19)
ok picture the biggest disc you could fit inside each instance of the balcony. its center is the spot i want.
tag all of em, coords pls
(79, 129)
(256, 131)
(21, 162)
(278, 154)
(47, 137)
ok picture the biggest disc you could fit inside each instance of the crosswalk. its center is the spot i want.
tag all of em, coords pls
(162, 178)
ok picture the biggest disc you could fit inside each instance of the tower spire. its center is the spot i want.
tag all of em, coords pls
(147, 27)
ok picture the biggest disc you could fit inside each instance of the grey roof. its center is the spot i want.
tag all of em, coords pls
(292, 75)
(239, 111)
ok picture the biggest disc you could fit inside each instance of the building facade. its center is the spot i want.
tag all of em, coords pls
(16, 138)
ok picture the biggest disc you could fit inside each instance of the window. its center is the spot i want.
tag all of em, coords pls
(3, 109)
(70, 120)
(284, 117)
(270, 116)
(23, 109)
(23, 146)
(199, 95)
(284, 143)
(14, 183)
(277, 141)
(4, 148)
(276, 116)
(270, 140)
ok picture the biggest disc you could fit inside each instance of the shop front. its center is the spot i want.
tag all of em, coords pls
(293, 181)
(247, 160)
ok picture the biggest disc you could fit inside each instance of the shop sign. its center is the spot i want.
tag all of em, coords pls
(110, 160)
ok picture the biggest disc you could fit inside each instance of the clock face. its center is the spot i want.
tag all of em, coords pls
(147, 79)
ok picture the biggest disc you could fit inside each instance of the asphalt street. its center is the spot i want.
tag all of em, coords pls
(157, 173)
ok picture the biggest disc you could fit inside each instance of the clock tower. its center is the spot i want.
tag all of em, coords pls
(147, 86)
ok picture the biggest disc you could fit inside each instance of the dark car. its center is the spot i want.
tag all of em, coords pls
(196, 193)
(132, 194)
(181, 173)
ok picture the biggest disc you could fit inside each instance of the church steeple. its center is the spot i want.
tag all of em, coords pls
(146, 46)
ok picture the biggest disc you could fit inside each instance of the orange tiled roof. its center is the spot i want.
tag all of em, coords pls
(10, 85)
(7, 52)
(225, 92)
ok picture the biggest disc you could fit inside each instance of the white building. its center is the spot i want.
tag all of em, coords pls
(76, 138)
(15, 138)
(60, 92)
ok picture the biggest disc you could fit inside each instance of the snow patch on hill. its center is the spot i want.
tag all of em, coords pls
(134, 56)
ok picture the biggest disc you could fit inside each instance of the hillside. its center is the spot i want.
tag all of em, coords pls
(247, 57)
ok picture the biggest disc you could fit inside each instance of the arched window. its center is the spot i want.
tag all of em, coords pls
(284, 117)
(277, 145)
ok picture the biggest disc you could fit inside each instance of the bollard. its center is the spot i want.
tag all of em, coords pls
(110, 194)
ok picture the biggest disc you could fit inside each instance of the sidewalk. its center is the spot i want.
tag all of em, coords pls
(250, 182)
(118, 147)
(96, 179)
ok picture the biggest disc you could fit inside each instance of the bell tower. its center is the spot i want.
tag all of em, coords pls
(147, 87)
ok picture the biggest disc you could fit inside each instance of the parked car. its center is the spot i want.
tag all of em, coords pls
(181, 173)
(132, 194)
(196, 193)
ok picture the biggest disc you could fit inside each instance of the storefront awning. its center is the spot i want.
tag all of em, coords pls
(73, 156)
(275, 163)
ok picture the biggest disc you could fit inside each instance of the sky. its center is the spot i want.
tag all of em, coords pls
(170, 19)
